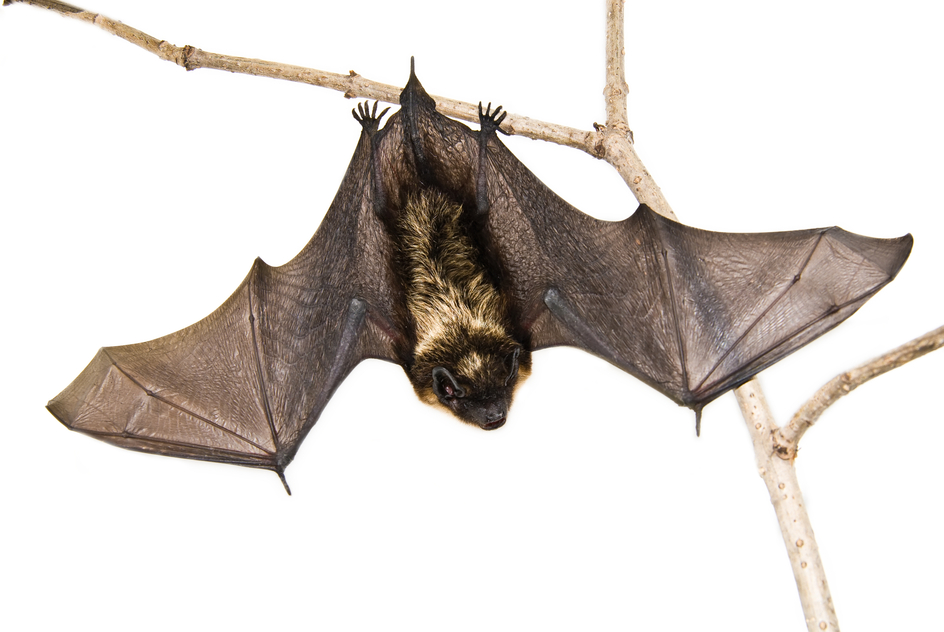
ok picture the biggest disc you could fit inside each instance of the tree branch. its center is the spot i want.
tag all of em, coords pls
(786, 438)
(617, 145)
(352, 85)
(784, 489)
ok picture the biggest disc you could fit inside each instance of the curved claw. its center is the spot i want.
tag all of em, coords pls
(491, 121)
(369, 119)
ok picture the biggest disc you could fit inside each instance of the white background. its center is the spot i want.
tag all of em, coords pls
(136, 195)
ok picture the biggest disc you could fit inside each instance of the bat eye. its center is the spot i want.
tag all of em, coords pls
(512, 362)
(445, 385)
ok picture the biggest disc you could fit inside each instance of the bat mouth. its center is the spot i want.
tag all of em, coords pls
(494, 425)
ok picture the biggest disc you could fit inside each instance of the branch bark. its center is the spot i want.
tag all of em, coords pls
(351, 85)
(618, 148)
(786, 438)
(784, 488)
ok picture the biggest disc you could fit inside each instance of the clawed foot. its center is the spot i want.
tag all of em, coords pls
(490, 121)
(367, 118)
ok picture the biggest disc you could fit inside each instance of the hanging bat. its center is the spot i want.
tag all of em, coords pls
(441, 252)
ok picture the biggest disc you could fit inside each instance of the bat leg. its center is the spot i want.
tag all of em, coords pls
(370, 123)
(490, 122)
(564, 311)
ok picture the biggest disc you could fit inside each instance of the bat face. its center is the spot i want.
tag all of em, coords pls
(480, 391)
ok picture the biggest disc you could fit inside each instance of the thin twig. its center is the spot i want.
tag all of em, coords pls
(617, 145)
(787, 438)
(352, 85)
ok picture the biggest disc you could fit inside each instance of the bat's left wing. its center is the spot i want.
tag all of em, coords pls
(246, 384)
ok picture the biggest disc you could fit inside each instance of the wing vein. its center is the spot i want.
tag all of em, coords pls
(235, 455)
(675, 317)
(263, 392)
(193, 414)
(823, 316)
(757, 320)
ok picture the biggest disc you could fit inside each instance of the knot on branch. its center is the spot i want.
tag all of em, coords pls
(597, 142)
(620, 127)
(782, 446)
(355, 84)
(845, 381)
(186, 57)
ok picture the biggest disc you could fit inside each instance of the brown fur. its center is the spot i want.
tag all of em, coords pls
(460, 319)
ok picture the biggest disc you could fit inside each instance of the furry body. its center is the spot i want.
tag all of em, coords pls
(459, 318)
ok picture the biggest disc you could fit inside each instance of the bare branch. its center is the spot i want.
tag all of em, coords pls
(784, 488)
(352, 85)
(786, 438)
(617, 146)
(616, 88)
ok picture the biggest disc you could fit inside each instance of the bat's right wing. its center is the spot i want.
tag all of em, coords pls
(696, 313)
(691, 312)
(247, 383)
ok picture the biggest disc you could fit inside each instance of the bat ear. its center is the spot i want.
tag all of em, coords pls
(445, 385)
(512, 362)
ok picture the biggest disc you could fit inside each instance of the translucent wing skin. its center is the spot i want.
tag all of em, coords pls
(696, 313)
(246, 384)
(690, 312)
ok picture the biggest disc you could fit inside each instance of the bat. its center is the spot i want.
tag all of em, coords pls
(442, 253)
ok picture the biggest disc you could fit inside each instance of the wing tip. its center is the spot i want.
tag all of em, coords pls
(54, 406)
(888, 254)
(907, 243)
(66, 406)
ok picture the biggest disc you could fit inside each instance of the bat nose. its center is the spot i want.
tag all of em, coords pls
(494, 424)
(495, 416)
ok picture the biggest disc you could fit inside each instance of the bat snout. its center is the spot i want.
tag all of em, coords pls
(494, 424)
(492, 416)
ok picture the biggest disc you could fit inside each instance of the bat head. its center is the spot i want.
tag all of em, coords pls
(477, 386)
